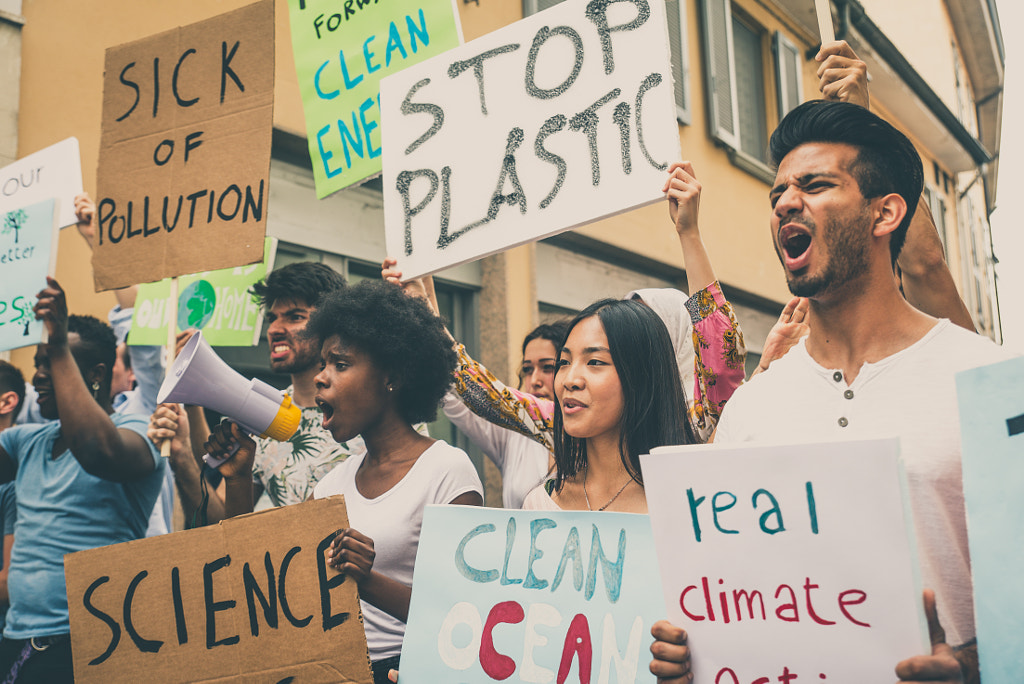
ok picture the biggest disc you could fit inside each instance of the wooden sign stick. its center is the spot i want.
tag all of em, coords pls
(172, 336)
(823, 9)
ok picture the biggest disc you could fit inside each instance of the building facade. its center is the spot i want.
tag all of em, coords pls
(936, 70)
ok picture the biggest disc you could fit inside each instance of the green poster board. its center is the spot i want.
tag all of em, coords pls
(342, 50)
(216, 302)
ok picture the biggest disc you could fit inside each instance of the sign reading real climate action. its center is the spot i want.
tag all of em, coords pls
(788, 563)
(527, 595)
(183, 177)
(249, 600)
(342, 50)
(28, 252)
(555, 121)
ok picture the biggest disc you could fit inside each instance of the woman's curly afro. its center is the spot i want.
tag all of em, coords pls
(402, 336)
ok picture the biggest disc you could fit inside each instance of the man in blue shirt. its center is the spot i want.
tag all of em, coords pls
(88, 479)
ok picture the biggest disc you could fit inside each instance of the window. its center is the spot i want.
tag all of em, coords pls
(734, 61)
(676, 15)
(937, 205)
(748, 56)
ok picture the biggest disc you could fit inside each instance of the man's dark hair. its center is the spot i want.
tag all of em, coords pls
(553, 332)
(400, 334)
(11, 380)
(654, 410)
(307, 281)
(886, 159)
(97, 344)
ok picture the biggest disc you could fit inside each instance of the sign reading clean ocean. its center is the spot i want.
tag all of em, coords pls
(342, 50)
(531, 596)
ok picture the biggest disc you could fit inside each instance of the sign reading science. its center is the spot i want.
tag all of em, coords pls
(183, 177)
(555, 121)
(527, 595)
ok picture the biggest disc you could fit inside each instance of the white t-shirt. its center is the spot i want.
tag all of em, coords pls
(910, 395)
(523, 462)
(393, 520)
(539, 500)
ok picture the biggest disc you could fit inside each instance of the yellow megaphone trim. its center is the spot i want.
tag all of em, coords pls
(285, 423)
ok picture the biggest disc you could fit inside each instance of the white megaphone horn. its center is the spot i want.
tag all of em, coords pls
(199, 377)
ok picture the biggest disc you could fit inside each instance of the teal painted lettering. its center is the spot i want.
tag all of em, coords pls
(465, 569)
(570, 552)
(316, 84)
(694, 503)
(611, 572)
(417, 31)
(394, 43)
(349, 83)
(773, 511)
(347, 140)
(536, 527)
(325, 156)
(812, 508)
(716, 509)
(368, 126)
(367, 55)
(510, 537)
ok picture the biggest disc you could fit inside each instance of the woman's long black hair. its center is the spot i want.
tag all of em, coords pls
(654, 410)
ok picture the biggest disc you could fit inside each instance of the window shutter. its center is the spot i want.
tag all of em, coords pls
(675, 11)
(720, 70)
(534, 6)
(788, 70)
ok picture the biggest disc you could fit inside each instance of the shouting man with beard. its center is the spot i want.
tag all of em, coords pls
(283, 472)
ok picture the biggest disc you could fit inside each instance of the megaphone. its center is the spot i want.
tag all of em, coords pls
(199, 377)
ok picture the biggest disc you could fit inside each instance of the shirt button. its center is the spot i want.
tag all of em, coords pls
(837, 376)
(848, 394)
(843, 422)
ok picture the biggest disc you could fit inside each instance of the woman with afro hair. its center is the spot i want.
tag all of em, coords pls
(386, 362)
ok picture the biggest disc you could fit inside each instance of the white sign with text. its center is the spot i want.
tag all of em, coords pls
(53, 172)
(552, 122)
(788, 563)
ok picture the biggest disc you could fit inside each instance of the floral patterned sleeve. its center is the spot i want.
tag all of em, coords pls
(720, 355)
(492, 400)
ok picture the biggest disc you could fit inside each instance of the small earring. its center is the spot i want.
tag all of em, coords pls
(95, 387)
(390, 388)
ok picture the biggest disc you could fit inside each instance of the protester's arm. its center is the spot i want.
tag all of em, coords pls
(352, 552)
(484, 394)
(237, 470)
(787, 331)
(85, 211)
(683, 192)
(671, 656)
(842, 76)
(943, 666)
(101, 448)
(170, 421)
(719, 356)
(927, 283)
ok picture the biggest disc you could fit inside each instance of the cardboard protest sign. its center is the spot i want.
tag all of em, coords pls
(531, 593)
(28, 253)
(53, 172)
(183, 177)
(341, 53)
(249, 600)
(992, 434)
(557, 120)
(788, 563)
(216, 302)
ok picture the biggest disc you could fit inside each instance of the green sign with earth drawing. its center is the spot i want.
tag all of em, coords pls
(216, 302)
